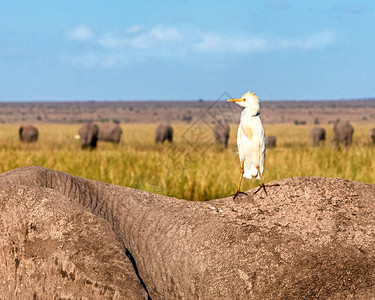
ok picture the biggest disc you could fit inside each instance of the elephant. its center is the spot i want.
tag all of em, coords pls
(28, 134)
(89, 134)
(109, 132)
(372, 135)
(164, 132)
(63, 236)
(343, 133)
(318, 136)
(271, 141)
(221, 134)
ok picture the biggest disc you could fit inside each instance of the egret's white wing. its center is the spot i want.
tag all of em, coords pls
(239, 143)
(262, 150)
(248, 148)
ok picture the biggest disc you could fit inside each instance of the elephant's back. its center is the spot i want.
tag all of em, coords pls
(163, 130)
(109, 131)
(29, 133)
(317, 132)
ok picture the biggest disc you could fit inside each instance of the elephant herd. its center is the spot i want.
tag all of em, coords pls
(91, 133)
(343, 134)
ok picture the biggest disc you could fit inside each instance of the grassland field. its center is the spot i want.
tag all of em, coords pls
(193, 167)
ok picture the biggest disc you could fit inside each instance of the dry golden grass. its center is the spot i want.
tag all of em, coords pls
(192, 168)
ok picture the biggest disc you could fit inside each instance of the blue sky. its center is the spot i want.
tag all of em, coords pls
(186, 50)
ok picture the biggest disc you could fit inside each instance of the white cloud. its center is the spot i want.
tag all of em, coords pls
(138, 43)
(80, 33)
(138, 37)
(154, 37)
(316, 41)
(110, 41)
(164, 34)
(135, 29)
(216, 43)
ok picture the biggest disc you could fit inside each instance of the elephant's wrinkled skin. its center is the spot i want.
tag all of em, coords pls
(318, 136)
(271, 141)
(310, 238)
(372, 135)
(89, 134)
(164, 132)
(221, 134)
(28, 134)
(343, 133)
(110, 132)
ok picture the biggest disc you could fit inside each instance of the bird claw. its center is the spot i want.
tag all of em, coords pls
(237, 193)
(263, 186)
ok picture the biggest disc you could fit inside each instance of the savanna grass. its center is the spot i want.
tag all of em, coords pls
(193, 167)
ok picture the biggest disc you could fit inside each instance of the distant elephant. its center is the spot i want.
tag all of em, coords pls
(318, 136)
(271, 141)
(28, 134)
(164, 132)
(66, 237)
(221, 134)
(372, 135)
(343, 133)
(89, 134)
(109, 132)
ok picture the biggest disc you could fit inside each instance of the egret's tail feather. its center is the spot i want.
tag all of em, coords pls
(250, 172)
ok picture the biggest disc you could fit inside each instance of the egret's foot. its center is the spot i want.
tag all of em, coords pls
(237, 193)
(263, 186)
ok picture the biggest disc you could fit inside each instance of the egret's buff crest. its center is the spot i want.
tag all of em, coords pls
(250, 101)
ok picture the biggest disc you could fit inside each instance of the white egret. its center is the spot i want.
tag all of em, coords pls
(251, 141)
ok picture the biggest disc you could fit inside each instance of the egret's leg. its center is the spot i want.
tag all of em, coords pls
(239, 186)
(262, 185)
(242, 171)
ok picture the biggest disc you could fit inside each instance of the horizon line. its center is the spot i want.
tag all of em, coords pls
(174, 100)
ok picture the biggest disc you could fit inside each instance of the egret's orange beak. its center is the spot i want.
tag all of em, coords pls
(237, 100)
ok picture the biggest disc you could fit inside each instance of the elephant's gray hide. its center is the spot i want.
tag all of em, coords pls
(164, 132)
(53, 248)
(221, 134)
(271, 141)
(28, 134)
(109, 132)
(65, 236)
(318, 136)
(372, 135)
(89, 134)
(343, 133)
